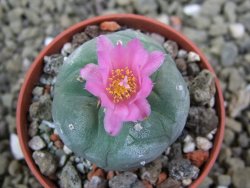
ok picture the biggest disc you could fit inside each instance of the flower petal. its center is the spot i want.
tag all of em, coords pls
(138, 110)
(138, 55)
(146, 87)
(155, 60)
(112, 124)
(121, 111)
(88, 70)
(104, 47)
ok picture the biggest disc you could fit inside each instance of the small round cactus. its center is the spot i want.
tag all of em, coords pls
(80, 115)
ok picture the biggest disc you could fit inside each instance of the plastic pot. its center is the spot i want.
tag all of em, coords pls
(130, 20)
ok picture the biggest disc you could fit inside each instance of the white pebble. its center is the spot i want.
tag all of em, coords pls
(203, 143)
(192, 10)
(212, 102)
(167, 150)
(182, 53)
(66, 49)
(67, 150)
(193, 57)
(210, 136)
(48, 40)
(186, 182)
(49, 124)
(15, 147)
(188, 147)
(188, 138)
(237, 30)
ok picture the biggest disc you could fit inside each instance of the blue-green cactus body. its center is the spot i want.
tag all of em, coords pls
(79, 119)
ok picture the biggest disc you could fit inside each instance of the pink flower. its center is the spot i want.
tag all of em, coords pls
(121, 81)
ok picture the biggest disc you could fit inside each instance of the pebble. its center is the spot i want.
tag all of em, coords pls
(4, 163)
(233, 125)
(79, 39)
(224, 180)
(170, 183)
(182, 54)
(187, 182)
(193, 57)
(229, 137)
(192, 9)
(198, 36)
(158, 38)
(188, 147)
(180, 169)
(234, 163)
(41, 109)
(62, 160)
(66, 50)
(163, 18)
(96, 182)
(218, 29)
(193, 69)
(229, 11)
(67, 150)
(240, 177)
(202, 120)
(15, 147)
(203, 143)
(206, 182)
(37, 91)
(46, 162)
(69, 177)
(54, 62)
(235, 81)
(36, 143)
(145, 6)
(202, 88)
(237, 30)
(109, 26)
(125, 180)
(48, 40)
(181, 65)
(198, 157)
(151, 171)
(229, 54)
(92, 31)
(171, 47)
(239, 102)
(14, 168)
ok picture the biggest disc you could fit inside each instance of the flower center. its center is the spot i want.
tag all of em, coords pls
(122, 84)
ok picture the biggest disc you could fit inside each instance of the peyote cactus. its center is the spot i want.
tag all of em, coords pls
(79, 115)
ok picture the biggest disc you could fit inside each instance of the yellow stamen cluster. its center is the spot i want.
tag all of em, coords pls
(122, 84)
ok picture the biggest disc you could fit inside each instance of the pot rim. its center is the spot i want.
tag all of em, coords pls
(134, 21)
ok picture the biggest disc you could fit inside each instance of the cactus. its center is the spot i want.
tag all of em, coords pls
(79, 118)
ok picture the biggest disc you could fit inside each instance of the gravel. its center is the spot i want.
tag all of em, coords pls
(29, 25)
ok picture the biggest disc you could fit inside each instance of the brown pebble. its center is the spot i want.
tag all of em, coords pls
(198, 157)
(181, 64)
(59, 144)
(110, 26)
(54, 137)
(147, 184)
(110, 175)
(47, 89)
(162, 177)
(98, 172)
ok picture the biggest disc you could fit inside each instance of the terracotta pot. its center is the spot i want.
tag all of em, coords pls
(133, 21)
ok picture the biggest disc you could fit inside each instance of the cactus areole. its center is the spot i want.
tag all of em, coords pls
(120, 101)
